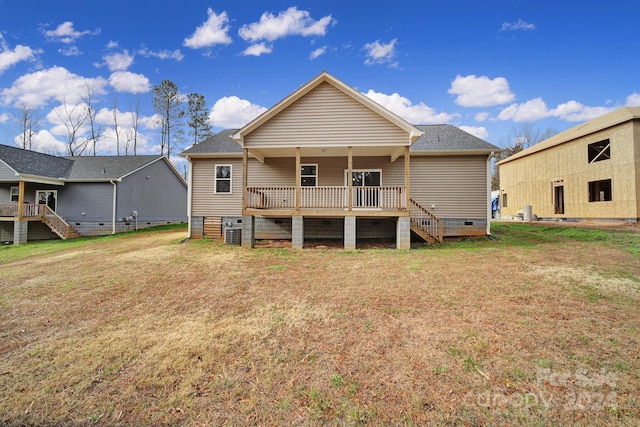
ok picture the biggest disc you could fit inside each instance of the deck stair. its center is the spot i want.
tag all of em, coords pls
(425, 224)
(58, 225)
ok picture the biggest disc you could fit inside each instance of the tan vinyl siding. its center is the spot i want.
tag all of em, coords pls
(457, 186)
(281, 172)
(204, 200)
(326, 117)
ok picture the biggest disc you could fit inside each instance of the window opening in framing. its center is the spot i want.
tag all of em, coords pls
(599, 151)
(600, 191)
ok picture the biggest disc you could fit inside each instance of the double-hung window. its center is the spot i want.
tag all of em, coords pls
(15, 194)
(223, 179)
(308, 175)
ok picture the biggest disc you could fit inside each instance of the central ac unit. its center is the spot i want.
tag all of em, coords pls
(233, 236)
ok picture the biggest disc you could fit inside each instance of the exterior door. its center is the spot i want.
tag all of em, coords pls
(47, 197)
(366, 188)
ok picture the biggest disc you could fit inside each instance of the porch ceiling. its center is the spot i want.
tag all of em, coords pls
(327, 151)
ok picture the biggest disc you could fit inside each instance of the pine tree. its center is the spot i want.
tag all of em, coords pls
(198, 118)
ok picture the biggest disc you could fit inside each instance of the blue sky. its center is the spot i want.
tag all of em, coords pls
(488, 66)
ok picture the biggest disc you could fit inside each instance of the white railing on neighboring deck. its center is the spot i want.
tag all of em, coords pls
(327, 197)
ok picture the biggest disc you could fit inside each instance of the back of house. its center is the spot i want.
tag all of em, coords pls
(329, 163)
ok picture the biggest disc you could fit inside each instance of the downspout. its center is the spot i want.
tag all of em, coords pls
(189, 197)
(489, 193)
(115, 197)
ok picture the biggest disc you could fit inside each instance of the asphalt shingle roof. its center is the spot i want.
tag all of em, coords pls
(221, 142)
(34, 163)
(449, 138)
(90, 168)
(106, 167)
(436, 138)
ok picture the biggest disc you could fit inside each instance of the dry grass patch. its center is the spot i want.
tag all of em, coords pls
(534, 329)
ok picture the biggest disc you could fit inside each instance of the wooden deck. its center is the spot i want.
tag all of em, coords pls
(37, 212)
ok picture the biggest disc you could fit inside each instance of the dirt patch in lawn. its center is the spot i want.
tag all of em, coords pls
(144, 330)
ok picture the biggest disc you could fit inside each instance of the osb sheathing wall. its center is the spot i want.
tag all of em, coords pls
(529, 180)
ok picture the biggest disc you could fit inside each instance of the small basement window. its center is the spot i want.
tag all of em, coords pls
(600, 191)
(223, 179)
(599, 151)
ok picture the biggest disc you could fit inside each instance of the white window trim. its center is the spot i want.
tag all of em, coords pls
(47, 191)
(314, 176)
(215, 179)
(11, 193)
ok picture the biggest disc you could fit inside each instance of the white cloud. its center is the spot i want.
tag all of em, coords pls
(161, 54)
(65, 33)
(318, 52)
(70, 51)
(532, 110)
(257, 49)
(518, 25)
(536, 109)
(574, 111)
(4, 117)
(126, 81)
(379, 53)
(118, 61)
(633, 100)
(231, 112)
(481, 117)
(38, 88)
(45, 142)
(291, 22)
(10, 57)
(479, 131)
(417, 114)
(112, 44)
(474, 91)
(212, 32)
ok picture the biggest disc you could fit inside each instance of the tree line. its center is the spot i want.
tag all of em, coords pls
(83, 131)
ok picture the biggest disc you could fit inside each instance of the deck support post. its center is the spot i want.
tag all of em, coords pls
(350, 233)
(248, 231)
(20, 231)
(403, 233)
(407, 178)
(350, 179)
(21, 200)
(298, 176)
(297, 232)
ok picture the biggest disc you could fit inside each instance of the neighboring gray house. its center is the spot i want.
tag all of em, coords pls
(328, 162)
(65, 197)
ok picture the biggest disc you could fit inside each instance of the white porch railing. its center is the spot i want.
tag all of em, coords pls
(333, 197)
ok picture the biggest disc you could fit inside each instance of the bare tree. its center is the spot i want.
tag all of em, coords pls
(168, 104)
(135, 121)
(28, 123)
(96, 131)
(115, 124)
(73, 118)
(520, 138)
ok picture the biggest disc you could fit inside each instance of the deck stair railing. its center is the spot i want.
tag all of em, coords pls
(425, 224)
